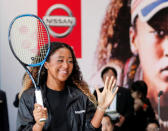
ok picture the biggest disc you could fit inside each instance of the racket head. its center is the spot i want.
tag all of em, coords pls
(29, 40)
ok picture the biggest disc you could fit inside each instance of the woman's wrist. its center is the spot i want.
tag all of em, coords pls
(101, 108)
(37, 127)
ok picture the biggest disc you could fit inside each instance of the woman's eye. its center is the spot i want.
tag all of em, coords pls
(59, 60)
(70, 61)
(160, 33)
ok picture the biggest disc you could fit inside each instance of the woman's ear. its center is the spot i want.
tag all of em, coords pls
(133, 35)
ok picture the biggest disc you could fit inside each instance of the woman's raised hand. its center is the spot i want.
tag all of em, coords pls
(106, 97)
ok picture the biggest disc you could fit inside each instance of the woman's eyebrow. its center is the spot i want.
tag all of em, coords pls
(63, 57)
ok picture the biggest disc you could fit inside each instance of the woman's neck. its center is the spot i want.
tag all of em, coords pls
(152, 93)
(55, 84)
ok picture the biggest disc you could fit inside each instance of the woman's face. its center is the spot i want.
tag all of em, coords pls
(152, 48)
(60, 65)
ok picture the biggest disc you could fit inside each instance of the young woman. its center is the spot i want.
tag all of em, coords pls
(68, 104)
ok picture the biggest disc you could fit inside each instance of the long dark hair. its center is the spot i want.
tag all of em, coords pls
(75, 77)
(76, 74)
(114, 35)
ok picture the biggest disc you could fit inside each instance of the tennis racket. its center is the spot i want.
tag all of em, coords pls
(30, 44)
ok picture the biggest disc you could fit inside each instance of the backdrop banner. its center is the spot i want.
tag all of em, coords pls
(63, 18)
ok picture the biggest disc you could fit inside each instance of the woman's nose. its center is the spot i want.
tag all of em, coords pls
(65, 64)
(165, 46)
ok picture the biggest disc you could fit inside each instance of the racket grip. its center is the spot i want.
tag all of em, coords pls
(39, 100)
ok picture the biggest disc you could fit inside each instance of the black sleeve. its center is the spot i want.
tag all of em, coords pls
(90, 110)
(16, 101)
(4, 122)
(25, 119)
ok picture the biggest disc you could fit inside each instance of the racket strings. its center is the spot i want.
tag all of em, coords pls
(43, 46)
(29, 40)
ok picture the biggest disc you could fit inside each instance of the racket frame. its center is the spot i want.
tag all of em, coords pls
(38, 93)
(30, 65)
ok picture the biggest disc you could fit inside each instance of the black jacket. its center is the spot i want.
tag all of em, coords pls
(4, 123)
(141, 117)
(80, 110)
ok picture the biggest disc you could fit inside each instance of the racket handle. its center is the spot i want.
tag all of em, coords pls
(39, 100)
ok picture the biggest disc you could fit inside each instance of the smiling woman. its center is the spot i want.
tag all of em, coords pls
(59, 67)
(68, 103)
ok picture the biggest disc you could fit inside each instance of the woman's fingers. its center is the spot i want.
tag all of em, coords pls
(107, 95)
(106, 83)
(37, 106)
(97, 91)
(115, 90)
(39, 112)
(44, 113)
(113, 86)
(110, 83)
